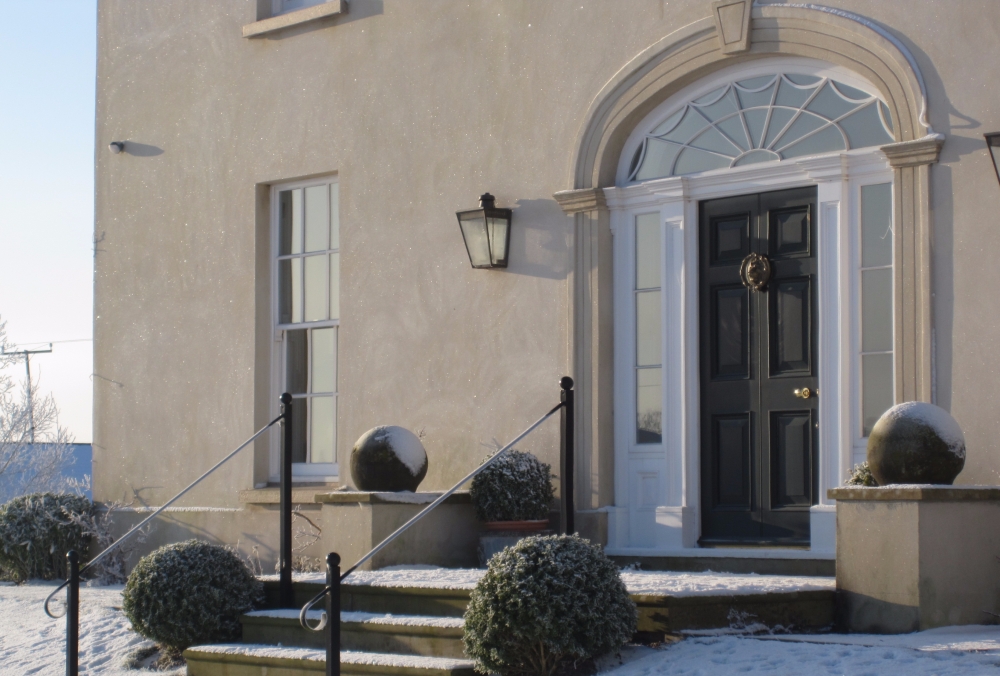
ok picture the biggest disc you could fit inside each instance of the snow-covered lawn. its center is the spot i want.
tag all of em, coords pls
(31, 643)
(949, 651)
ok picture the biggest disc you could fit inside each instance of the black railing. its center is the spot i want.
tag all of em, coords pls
(330, 620)
(73, 570)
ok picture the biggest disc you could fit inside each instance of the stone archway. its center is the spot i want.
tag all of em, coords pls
(687, 55)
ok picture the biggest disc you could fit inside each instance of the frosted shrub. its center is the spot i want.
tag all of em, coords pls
(516, 487)
(37, 530)
(861, 475)
(189, 593)
(546, 601)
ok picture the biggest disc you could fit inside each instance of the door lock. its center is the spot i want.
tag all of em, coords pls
(805, 392)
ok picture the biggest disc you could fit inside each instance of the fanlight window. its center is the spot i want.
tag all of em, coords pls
(767, 118)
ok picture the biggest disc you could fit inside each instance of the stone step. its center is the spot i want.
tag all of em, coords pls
(241, 659)
(658, 613)
(368, 632)
(382, 599)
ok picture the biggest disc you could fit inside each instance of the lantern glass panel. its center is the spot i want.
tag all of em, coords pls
(498, 239)
(476, 239)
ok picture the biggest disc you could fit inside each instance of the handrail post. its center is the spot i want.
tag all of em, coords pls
(285, 594)
(73, 614)
(566, 456)
(333, 614)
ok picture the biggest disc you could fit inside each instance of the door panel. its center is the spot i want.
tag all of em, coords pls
(758, 349)
(791, 323)
(730, 326)
(732, 444)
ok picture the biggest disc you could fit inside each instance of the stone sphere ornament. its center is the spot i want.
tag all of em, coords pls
(916, 443)
(388, 458)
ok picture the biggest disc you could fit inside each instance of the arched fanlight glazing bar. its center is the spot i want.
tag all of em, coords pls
(761, 119)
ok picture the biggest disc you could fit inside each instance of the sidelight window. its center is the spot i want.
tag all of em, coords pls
(876, 304)
(648, 331)
(307, 318)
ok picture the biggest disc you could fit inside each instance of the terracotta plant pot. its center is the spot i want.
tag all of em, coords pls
(534, 525)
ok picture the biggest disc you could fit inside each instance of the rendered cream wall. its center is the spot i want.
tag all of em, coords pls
(418, 107)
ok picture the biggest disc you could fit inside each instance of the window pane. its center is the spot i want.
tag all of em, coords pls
(285, 222)
(876, 225)
(876, 310)
(324, 360)
(296, 226)
(296, 362)
(647, 328)
(876, 384)
(647, 251)
(300, 420)
(315, 288)
(317, 217)
(322, 421)
(290, 291)
(285, 292)
(334, 216)
(335, 286)
(649, 406)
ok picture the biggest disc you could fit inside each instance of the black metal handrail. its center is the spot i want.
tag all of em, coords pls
(334, 578)
(73, 570)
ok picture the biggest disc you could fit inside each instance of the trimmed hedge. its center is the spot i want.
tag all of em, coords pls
(189, 593)
(37, 530)
(516, 487)
(546, 601)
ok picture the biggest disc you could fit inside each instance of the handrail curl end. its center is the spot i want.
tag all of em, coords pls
(303, 614)
(48, 600)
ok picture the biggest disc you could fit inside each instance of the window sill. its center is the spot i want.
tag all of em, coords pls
(282, 21)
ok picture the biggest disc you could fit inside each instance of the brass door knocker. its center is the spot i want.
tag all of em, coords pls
(755, 271)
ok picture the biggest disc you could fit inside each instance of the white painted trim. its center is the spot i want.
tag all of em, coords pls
(669, 525)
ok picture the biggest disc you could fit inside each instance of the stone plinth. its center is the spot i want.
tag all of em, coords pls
(353, 522)
(914, 557)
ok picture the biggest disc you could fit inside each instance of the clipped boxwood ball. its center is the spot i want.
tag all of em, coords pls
(916, 443)
(388, 458)
(546, 601)
(516, 487)
(190, 593)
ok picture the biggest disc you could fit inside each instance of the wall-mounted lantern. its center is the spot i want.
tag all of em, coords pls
(486, 232)
(993, 143)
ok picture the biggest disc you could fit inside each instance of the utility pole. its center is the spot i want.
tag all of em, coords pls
(27, 366)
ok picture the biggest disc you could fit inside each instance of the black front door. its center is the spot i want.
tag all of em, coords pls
(757, 307)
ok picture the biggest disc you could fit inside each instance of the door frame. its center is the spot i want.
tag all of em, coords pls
(657, 489)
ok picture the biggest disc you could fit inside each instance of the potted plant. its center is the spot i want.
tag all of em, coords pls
(514, 493)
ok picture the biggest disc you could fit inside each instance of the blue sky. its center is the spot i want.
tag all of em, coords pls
(48, 57)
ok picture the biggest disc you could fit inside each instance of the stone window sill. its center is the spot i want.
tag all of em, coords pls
(282, 21)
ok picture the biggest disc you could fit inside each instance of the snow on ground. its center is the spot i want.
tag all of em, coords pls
(33, 643)
(949, 651)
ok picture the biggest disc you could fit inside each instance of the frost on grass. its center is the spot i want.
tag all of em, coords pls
(190, 592)
(544, 602)
(516, 487)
